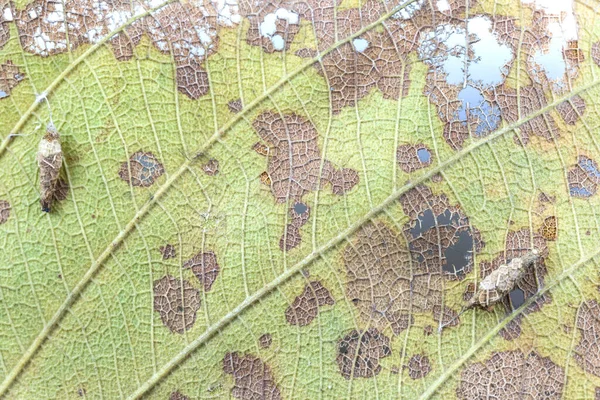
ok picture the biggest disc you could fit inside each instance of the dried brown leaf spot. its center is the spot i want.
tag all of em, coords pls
(167, 251)
(211, 168)
(549, 228)
(286, 28)
(596, 53)
(532, 98)
(10, 76)
(142, 169)
(379, 282)
(359, 353)
(583, 178)
(587, 352)
(265, 340)
(413, 157)
(261, 149)
(4, 27)
(235, 106)
(185, 31)
(512, 375)
(571, 110)
(574, 53)
(205, 267)
(305, 307)
(177, 395)
(441, 239)
(352, 74)
(253, 379)
(4, 211)
(177, 303)
(295, 165)
(291, 237)
(192, 80)
(419, 366)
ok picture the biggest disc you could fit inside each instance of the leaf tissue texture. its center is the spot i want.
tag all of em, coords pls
(284, 199)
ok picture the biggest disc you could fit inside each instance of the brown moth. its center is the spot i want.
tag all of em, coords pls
(494, 287)
(49, 158)
(498, 284)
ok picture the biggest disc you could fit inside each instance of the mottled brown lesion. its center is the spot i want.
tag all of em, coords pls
(177, 302)
(253, 378)
(4, 211)
(305, 307)
(205, 267)
(359, 353)
(142, 169)
(512, 375)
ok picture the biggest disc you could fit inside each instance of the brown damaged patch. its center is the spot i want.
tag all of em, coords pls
(306, 306)
(285, 28)
(440, 236)
(185, 31)
(536, 39)
(211, 168)
(205, 267)
(596, 53)
(571, 110)
(265, 341)
(390, 276)
(352, 75)
(191, 78)
(10, 76)
(167, 251)
(5, 7)
(419, 366)
(235, 106)
(413, 157)
(4, 211)
(512, 375)
(291, 237)
(518, 244)
(545, 198)
(265, 178)
(144, 167)
(532, 98)
(261, 149)
(177, 303)
(253, 379)
(177, 395)
(584, 177)
(379, 281)
(295, 158)
(587, 352)
(359, 353)
(549, 229)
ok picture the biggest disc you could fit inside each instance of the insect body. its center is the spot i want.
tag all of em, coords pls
(494, 287)
(49, 158)
(498, 284)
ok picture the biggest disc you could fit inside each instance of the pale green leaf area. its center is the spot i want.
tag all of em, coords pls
(77, 284)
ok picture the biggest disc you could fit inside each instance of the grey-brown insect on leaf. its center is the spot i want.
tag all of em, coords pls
(498, 284)
(49, 158)
(494, 287)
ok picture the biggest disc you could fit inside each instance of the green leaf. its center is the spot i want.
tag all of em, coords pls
(297, 199)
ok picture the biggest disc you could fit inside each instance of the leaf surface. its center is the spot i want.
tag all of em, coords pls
(296, 199)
